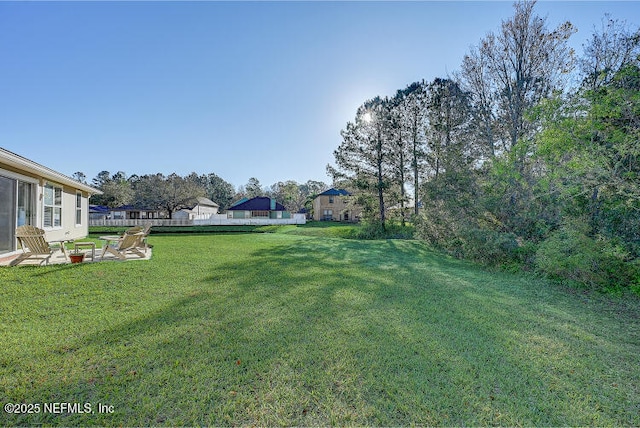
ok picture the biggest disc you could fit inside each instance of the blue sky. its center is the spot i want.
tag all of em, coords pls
(241, 89)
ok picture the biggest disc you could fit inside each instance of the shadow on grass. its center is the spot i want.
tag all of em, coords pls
(338, 332)
(52, 269)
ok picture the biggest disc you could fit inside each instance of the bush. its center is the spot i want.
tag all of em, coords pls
(369, 230)
(470, 241)
(571, 254)
(490, 247)
(436, 226)
(392, 230)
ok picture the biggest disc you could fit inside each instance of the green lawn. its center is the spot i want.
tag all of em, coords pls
(297, 328)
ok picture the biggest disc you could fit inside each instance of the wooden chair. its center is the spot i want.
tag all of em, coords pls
(146, 229)
(33, 244)
(142, 232)
(128, 243)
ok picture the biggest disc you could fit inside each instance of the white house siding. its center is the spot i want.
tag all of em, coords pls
(199, 211)
(182, 214)
(69, 229)
(202, 210)
(17, 171)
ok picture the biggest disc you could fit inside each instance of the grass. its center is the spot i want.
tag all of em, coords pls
(301, 328)
(316, 228)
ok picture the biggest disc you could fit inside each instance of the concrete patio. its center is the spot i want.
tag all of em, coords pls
(58, 257)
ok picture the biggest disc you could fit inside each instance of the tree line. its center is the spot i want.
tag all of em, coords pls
(527, 157)
(174, 192)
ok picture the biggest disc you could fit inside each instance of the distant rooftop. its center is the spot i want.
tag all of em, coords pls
(206, 201)
(259, 203)
(335, 192)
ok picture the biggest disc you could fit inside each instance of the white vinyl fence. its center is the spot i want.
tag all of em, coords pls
(213, 220)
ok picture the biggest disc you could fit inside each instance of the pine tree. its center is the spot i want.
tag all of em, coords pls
(364, 154)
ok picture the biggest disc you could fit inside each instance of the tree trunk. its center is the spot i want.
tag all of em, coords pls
(416, 179)
(380, 159)
(402, 191)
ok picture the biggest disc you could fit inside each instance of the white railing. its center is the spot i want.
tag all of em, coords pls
(214, 220)
(140, 222)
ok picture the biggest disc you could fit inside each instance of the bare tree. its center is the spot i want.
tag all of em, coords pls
(513, 70)
(474, 78)
(607, 52)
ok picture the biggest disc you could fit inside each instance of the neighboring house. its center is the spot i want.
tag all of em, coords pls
(239, 201)
(335, 205)
(123, 212)
(39, 196)
(98, 212)
(202, 208)
(258, 207)
(308, 214)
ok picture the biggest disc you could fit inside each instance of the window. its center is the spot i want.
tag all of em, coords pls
(52, 206)
(264, 214)
(330, 199)
(7, 213)
(25, 214)
(17, 206)
(78, 208)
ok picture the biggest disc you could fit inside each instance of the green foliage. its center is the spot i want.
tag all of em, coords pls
(570, 253)
(458, 218)
(589, 148)
(508, 159)
(116, 189)
(215, 188)
(579, 172)
(470, 241)
(489, 246)
(391, 230)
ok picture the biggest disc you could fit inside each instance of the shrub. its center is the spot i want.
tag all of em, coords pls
(436, 226)
(392, 230)
(490, 247)
(395, 230)
(470, 241)
(571, 254)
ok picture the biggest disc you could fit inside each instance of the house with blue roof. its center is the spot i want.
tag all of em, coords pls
(335, 205)
(259, 207)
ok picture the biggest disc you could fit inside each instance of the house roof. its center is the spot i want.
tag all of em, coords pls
(104, 208)
(24, 164)
(259, 203)
(205, 201)
(240, 201)
(335, 192)
(101, 209)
